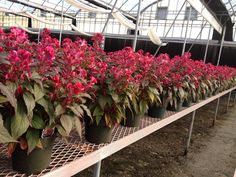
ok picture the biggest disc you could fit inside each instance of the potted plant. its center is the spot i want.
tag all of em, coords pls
(25, 120)
(38, 100)
(178, 74)
(126, 63)
(107, 95)
(162, 71)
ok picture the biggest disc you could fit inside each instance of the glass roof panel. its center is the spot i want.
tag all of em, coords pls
(127, 5)
(56, 5)
(230, 6)
(123, 5)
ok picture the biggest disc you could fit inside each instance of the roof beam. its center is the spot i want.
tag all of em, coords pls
(38, 6)
(20, 14)
(231, 7)
(108, 7)
(197, 4)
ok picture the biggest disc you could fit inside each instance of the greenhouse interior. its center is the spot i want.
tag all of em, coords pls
(110, 88)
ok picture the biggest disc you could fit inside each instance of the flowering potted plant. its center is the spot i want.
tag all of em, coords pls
(24, 121)
(148, 85)
(105, 104)
(162, 71)
(37, 98)
(185, 69)
(124, 66)
(178, 84)
(204, 85)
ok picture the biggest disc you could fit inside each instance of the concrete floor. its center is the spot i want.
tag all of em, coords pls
(217, 158)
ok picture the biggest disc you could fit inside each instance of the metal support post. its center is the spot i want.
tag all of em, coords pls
(216, 112)
(109, 16)
(221, 46)
(136, 26)
(190, 132)
(203, 26)
(228, 101)
(97, 169)
(39, 28)
(171, 26)
(186, 31)
(62, 8)
(199, 34)
(206, 49)
(234, 97)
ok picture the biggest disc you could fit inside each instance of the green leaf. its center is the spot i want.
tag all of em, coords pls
(61, 130)
(48, 108)
(175, 89)
(192, 85)
(32, 137)
(130, 96)
(38, 92)
(98, 113)
(143, 106)
(102, 101)
(37, 122)
(108, 120)
(59, 110)
(135, 106)
(160, 88)
(9, 94)
(29, 102)
(98, 119)
(84, 95)
(35, 75)
(77, 110)
(153, 90)
(181, 93)
(4, 61)
(11, 86)
(85, 108)
(67, 123)
(170, 94)
(29, 88)
(151, 96)
(3, 99)
(5, 136)
(78, 126)
(115, 97)
(20, 122)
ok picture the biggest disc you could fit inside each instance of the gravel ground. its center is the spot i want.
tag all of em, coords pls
(212, 150)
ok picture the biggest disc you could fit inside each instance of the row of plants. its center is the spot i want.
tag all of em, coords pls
(48, 90)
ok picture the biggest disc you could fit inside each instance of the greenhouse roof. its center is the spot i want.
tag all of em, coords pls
(231, 7)
(127, 7)
(56, 5)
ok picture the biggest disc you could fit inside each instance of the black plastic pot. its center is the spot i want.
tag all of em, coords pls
(209, 94)
(204, 96)
(196, 100)
(36, 161)
(97, 133)
(157, 111)
(187, 103)
(215, 92)
(177, 108)
(132, 120)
